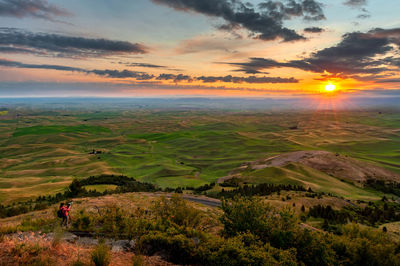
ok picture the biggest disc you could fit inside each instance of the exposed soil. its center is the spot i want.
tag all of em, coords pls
(333, 164)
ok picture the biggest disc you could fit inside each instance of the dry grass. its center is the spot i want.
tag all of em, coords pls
(393, 229)
(14, 252)
(299, 199)
(128, 202)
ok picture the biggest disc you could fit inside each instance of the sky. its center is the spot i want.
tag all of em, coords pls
(174, 48)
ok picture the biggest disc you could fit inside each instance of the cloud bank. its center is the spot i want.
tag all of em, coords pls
(369, 54)
(264, 22)
(142, 76)
(31, 8)
(314, 30)
(16, 40)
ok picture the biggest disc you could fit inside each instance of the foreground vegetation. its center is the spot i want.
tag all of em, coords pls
(246, 232)
(367, 213)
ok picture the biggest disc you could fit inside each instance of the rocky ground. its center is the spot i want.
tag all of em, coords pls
(37, 248)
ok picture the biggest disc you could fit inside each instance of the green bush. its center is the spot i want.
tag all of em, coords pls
(83, 221)
(101, 255)
(251, 215)
(213, 250)
(177, 211)
(279, 228)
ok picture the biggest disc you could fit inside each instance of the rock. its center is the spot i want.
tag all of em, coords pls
(69, 237)
(117, 248)
(122, 245)
(132, 244)
(88, 241)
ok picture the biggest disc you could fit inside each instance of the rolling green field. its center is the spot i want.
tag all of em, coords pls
(41, 151)
(296, 174)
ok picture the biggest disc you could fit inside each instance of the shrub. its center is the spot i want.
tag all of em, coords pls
(101, 254)
(57, 236)
(28, 254)
(244, 249)
(114, 221)
(82, 222)
(138, 260)
(243, 215)
(177, 211)
(41, 206)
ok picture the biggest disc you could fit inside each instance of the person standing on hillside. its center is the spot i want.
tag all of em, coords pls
(65, 209)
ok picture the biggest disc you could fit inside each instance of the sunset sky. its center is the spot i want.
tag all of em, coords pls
(141, 48)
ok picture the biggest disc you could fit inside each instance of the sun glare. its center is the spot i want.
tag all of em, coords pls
(330, 87)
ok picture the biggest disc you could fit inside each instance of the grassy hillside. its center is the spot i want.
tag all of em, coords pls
(42, 150)
(297, 174)
(244, 231)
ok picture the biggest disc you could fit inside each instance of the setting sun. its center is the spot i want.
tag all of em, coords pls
(330, 87)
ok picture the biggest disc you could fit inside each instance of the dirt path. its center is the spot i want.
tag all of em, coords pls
(203, 200)
(210, 202)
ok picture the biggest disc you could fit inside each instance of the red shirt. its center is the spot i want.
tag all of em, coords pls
(65, 210)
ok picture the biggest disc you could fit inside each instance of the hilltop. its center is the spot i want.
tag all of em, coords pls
(319, 170)
(336, 165)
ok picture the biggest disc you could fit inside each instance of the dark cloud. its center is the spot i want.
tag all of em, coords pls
(257, 64)
(9, 63)
(251, 79)
(314, 30)
(15, 50)
(227, 79)
(146, 65)
(265, 23)
(284, 10)
(388, 81)
(31, 8)
(175, 78)
(355, 3)
(358, 53)
(105, 73)
(364, 16)
(65, 46)
(312, 10)
(121, 74)
(142, 76)
(392, 35)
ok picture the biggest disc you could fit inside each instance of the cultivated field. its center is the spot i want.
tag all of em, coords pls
(42, 150)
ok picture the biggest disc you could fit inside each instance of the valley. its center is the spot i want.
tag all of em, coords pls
(41, 151)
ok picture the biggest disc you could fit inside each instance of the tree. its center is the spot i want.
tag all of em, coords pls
(75, 188)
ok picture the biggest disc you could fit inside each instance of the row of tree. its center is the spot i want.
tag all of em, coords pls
(374, 214)
(385, 187)
(260, 190)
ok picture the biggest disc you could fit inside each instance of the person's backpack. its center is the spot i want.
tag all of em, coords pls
(60, 213)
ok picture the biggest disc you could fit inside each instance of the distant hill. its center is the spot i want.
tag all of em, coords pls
(320, 170)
